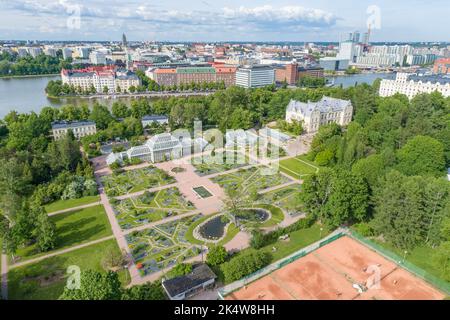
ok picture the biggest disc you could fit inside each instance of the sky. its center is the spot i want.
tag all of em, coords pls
(219, 20)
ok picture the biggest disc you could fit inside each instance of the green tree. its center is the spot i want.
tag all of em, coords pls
(216, 255)
(422, 155)
(45, 231)
(244, 264)
(95, 286)
(441, 259)
(148, 291)
(180, 269)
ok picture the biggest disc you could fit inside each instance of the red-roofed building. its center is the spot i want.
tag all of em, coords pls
(442, 66)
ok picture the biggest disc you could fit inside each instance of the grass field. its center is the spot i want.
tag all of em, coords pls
(73, 228)
(421, 256)
(298, 167)
(46, 279)
(71, 203)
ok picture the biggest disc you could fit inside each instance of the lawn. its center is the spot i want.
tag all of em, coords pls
(162, 246)
(136, 180)
(248, 180)
(46, 279)
(150, 207)
(298, 167)
(73, 228)
(421, 256)
(71, 203)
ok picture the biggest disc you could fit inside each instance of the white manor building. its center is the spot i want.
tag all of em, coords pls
(314, 114)
(80, 129)
(412, 84)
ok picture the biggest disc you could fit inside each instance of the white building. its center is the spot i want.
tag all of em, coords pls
(97, 57)
(255, 76)
(67, 53)
(99, 79)
(160, 147)
(314, 114)
(79, 128)
(334, 63)
(150, 119)
(411, 85)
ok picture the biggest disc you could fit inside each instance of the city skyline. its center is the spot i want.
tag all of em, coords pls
(205, 20)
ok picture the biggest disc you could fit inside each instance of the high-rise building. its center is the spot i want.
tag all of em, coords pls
(124, 41)
(356, 37)
(67, 53)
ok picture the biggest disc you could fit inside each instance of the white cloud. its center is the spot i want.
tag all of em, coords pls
(256, 19)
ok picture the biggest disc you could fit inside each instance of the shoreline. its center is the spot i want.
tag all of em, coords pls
(30, 76)
(135, 95)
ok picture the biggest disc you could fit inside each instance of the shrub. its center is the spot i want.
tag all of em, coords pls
(364, 229)
(244, 264)
(216, 255)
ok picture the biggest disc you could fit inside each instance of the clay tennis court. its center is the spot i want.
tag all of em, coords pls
(331, 272)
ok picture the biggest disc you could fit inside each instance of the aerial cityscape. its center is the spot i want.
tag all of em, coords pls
(224, 151)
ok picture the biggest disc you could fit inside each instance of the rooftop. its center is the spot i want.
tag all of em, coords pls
(69, 124)
(200, 274)
(326, 104)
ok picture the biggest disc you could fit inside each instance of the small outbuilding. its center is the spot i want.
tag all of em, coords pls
(180, 288)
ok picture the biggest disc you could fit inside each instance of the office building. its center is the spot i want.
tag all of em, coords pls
(255, 76)
(334, 63)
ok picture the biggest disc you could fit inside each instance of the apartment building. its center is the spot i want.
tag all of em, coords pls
(193, 74)
(100, 78)
(412, 84)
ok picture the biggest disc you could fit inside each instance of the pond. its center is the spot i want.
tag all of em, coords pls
(214, 228)
(253, 215)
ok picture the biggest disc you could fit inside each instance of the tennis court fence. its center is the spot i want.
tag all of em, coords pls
(226, 290)
(401, 262)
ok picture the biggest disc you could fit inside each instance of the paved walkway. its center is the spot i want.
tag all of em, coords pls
(75, 208)
(117, 231)
(59, 252)
(239, 242)
(4, 264)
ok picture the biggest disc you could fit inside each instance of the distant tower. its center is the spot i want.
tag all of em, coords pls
(124, 40)
(356, 36)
